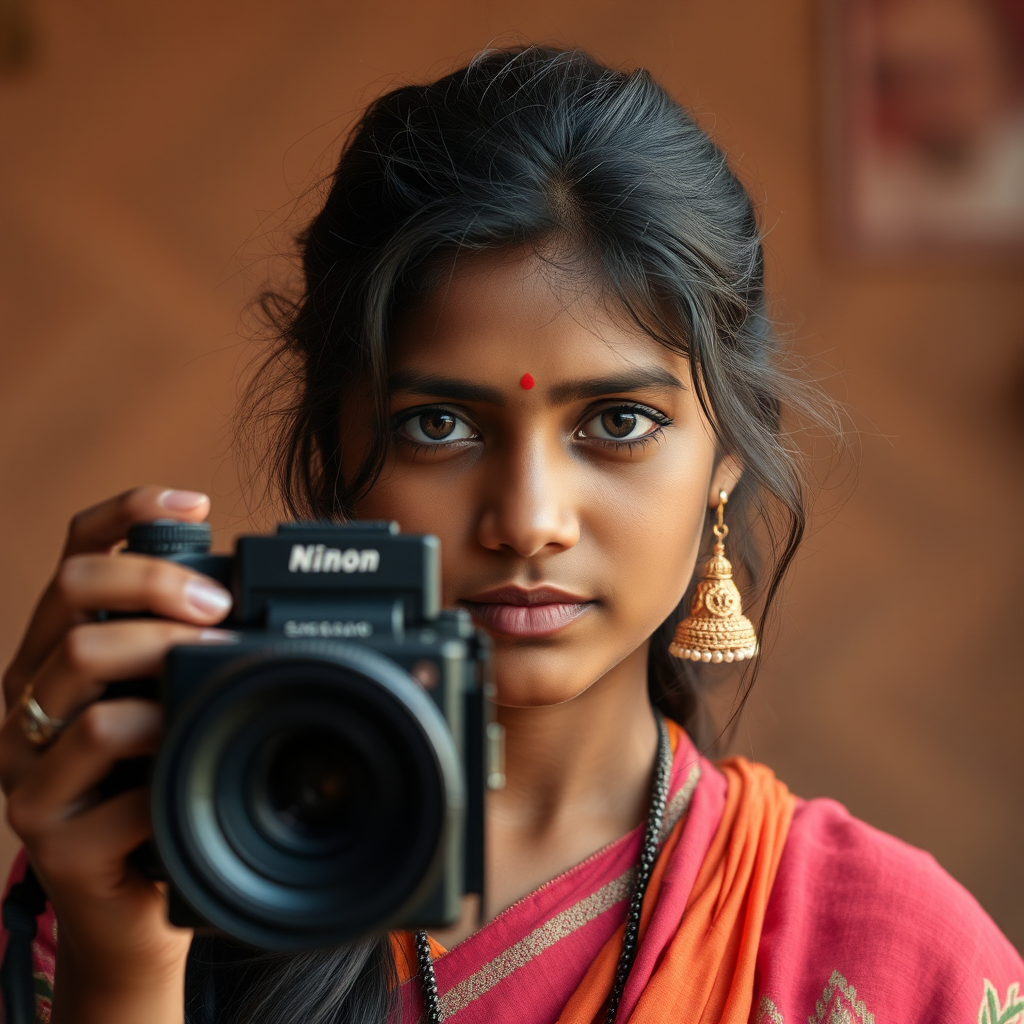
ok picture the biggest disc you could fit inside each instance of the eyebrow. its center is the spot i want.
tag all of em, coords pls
(643, 378)
(416, 382)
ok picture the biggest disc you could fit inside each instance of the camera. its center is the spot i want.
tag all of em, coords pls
(324, 777)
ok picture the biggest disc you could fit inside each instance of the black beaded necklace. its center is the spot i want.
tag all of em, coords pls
(648, 854)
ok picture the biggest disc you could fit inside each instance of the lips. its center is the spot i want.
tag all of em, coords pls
(521, 612)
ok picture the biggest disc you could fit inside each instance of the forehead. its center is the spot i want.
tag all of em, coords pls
(498, 315)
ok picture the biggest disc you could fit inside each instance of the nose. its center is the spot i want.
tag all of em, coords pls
(528, 508)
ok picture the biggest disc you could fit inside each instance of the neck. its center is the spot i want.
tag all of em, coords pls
(579, 776)
(595, 750)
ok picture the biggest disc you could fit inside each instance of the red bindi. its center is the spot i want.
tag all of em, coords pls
(526, 381)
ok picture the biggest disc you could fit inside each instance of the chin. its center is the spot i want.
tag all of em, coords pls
(536, 674)
(532, 699)
(517, 687)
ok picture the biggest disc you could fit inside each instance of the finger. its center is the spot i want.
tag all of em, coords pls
(93, 655)
(78, 672)
(98, 529)
(102, 526)
(83, 756)
(127, 583)
(136, 583)
(95, 844)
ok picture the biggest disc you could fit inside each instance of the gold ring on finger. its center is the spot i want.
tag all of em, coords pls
(36, 724)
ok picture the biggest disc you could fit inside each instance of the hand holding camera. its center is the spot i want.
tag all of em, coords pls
(322, 778)
(323, 766)
(115, 937)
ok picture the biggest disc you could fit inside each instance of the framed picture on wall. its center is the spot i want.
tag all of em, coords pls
(924, 120)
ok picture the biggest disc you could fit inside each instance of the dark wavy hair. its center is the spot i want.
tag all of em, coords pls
(527, 147)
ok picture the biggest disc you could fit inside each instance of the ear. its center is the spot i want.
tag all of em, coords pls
(725, 477)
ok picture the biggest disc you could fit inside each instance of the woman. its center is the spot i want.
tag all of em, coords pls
(533, 324)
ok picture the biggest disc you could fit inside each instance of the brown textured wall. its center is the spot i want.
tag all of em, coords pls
(146, 147)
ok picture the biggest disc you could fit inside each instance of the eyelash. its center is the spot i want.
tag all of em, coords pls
(412, 414)
(631, 444)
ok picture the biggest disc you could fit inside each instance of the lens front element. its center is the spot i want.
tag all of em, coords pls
(304, 789)
(302, 796)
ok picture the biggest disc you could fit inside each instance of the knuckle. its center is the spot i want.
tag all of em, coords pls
(94, 727)
(76, 524)
(141, 492)
(137, 503)
(161, 580)
(164, 634)
(66, 579)
(77, 649)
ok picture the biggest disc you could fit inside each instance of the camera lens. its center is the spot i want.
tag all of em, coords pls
(302, 796)
(304, 793)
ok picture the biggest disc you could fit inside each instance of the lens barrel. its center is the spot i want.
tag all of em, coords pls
(303, 794)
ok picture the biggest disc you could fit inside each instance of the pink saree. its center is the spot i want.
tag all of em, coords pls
(761, 909)
(815, 917)
(525, 964)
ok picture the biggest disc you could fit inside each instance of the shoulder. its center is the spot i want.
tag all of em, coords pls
(862, 920)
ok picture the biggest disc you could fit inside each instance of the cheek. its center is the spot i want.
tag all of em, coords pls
(413, 500)
(424, 503)
(651, 532)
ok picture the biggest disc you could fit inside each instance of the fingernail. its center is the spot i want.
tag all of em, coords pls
(219, 636)
(181, 501)
(207, 597)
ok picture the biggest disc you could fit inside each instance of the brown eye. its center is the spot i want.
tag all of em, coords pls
(619, 423)
(436, 426)
(623, 423)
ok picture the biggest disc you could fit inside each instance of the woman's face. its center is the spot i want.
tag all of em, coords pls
(569, 511)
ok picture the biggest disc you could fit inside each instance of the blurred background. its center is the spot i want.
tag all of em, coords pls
(153, 158)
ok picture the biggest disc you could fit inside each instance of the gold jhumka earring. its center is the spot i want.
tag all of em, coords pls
(716, 629)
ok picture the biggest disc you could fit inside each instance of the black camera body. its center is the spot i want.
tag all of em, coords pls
(323, 778)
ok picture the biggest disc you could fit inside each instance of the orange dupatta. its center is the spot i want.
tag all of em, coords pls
(705, 973)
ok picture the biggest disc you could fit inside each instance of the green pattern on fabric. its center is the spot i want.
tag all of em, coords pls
(44, 998)
(993, 1011)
